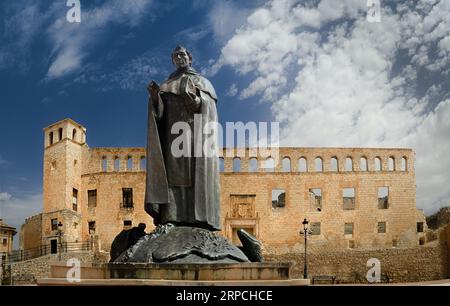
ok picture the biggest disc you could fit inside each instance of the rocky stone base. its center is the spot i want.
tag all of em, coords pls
(182, 244)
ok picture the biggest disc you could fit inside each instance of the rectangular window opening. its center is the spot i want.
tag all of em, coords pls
(315, 228)
(383, 197)
(420, 227)
(278, 198)
(315, 199)
(91, 227)
(92, 198)
(75, 199)
(381, 227)
(127, 197)
(54, 223)
(348, 229)
(348, 197)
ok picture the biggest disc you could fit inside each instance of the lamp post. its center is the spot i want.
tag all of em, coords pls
(60, 233)
(305, 233)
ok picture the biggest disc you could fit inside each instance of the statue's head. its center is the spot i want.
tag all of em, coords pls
(181, 57)
(142, 226)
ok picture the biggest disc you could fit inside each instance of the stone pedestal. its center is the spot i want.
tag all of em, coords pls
(252, 274)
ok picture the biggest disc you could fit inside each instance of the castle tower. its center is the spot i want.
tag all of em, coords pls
(65, 146)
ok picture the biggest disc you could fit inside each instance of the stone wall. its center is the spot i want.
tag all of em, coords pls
(278, 227)
(447, 241)
(31, 232)
(416, 264)
(246, 194)
(25, 271)
(109, 214)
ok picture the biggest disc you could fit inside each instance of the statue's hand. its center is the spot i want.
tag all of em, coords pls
(195, 102)
(190, 93)
(153, 89)
(194, 97)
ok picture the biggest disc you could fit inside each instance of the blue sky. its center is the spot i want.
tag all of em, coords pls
(121, 51)
(330, 77)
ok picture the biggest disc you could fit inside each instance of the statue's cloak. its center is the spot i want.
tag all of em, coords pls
(195, 178)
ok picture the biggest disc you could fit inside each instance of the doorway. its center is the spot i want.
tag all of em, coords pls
(53, 246)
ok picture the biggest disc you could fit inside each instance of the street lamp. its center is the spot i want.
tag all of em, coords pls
(60, 234)
(305, 233)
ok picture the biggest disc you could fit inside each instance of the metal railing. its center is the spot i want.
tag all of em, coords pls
(65, 247)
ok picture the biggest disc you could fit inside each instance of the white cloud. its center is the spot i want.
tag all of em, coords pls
(4, 196)
(72, 41)
(432, 145)
(133, 75)
(23, 22)
(427, 25)
(225, 17)
(15, 210)
(334, 85)
(193, 34)
(232, 91)
(3, 162)
(26, 20)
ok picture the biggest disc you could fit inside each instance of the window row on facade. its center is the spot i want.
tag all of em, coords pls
(349, 228)
(278, 198)
(92, 226)
(128, 162)
(348, 201)
(55, 224)
(127, 199)
(302, 165)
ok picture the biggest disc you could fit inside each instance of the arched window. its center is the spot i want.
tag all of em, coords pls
(269, 164)
(404, 164)
(74, 134)
(236, 164)
(391, 163)
(253, 165)
(116, 163)
(104, 164)
(334, 164)
(221, 164)
(60, 134)
(286, 164)
(348, 164)
(363, 164)
(318, 164)
(50, 138)
(302, 165)
(143, 164)
(130, 163)
(377, 164)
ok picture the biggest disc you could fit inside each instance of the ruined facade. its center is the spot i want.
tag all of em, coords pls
(354, 198)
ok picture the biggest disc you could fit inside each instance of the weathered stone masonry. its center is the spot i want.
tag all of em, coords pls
(354, 198)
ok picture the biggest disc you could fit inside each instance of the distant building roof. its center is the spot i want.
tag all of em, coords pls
(4, 226)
